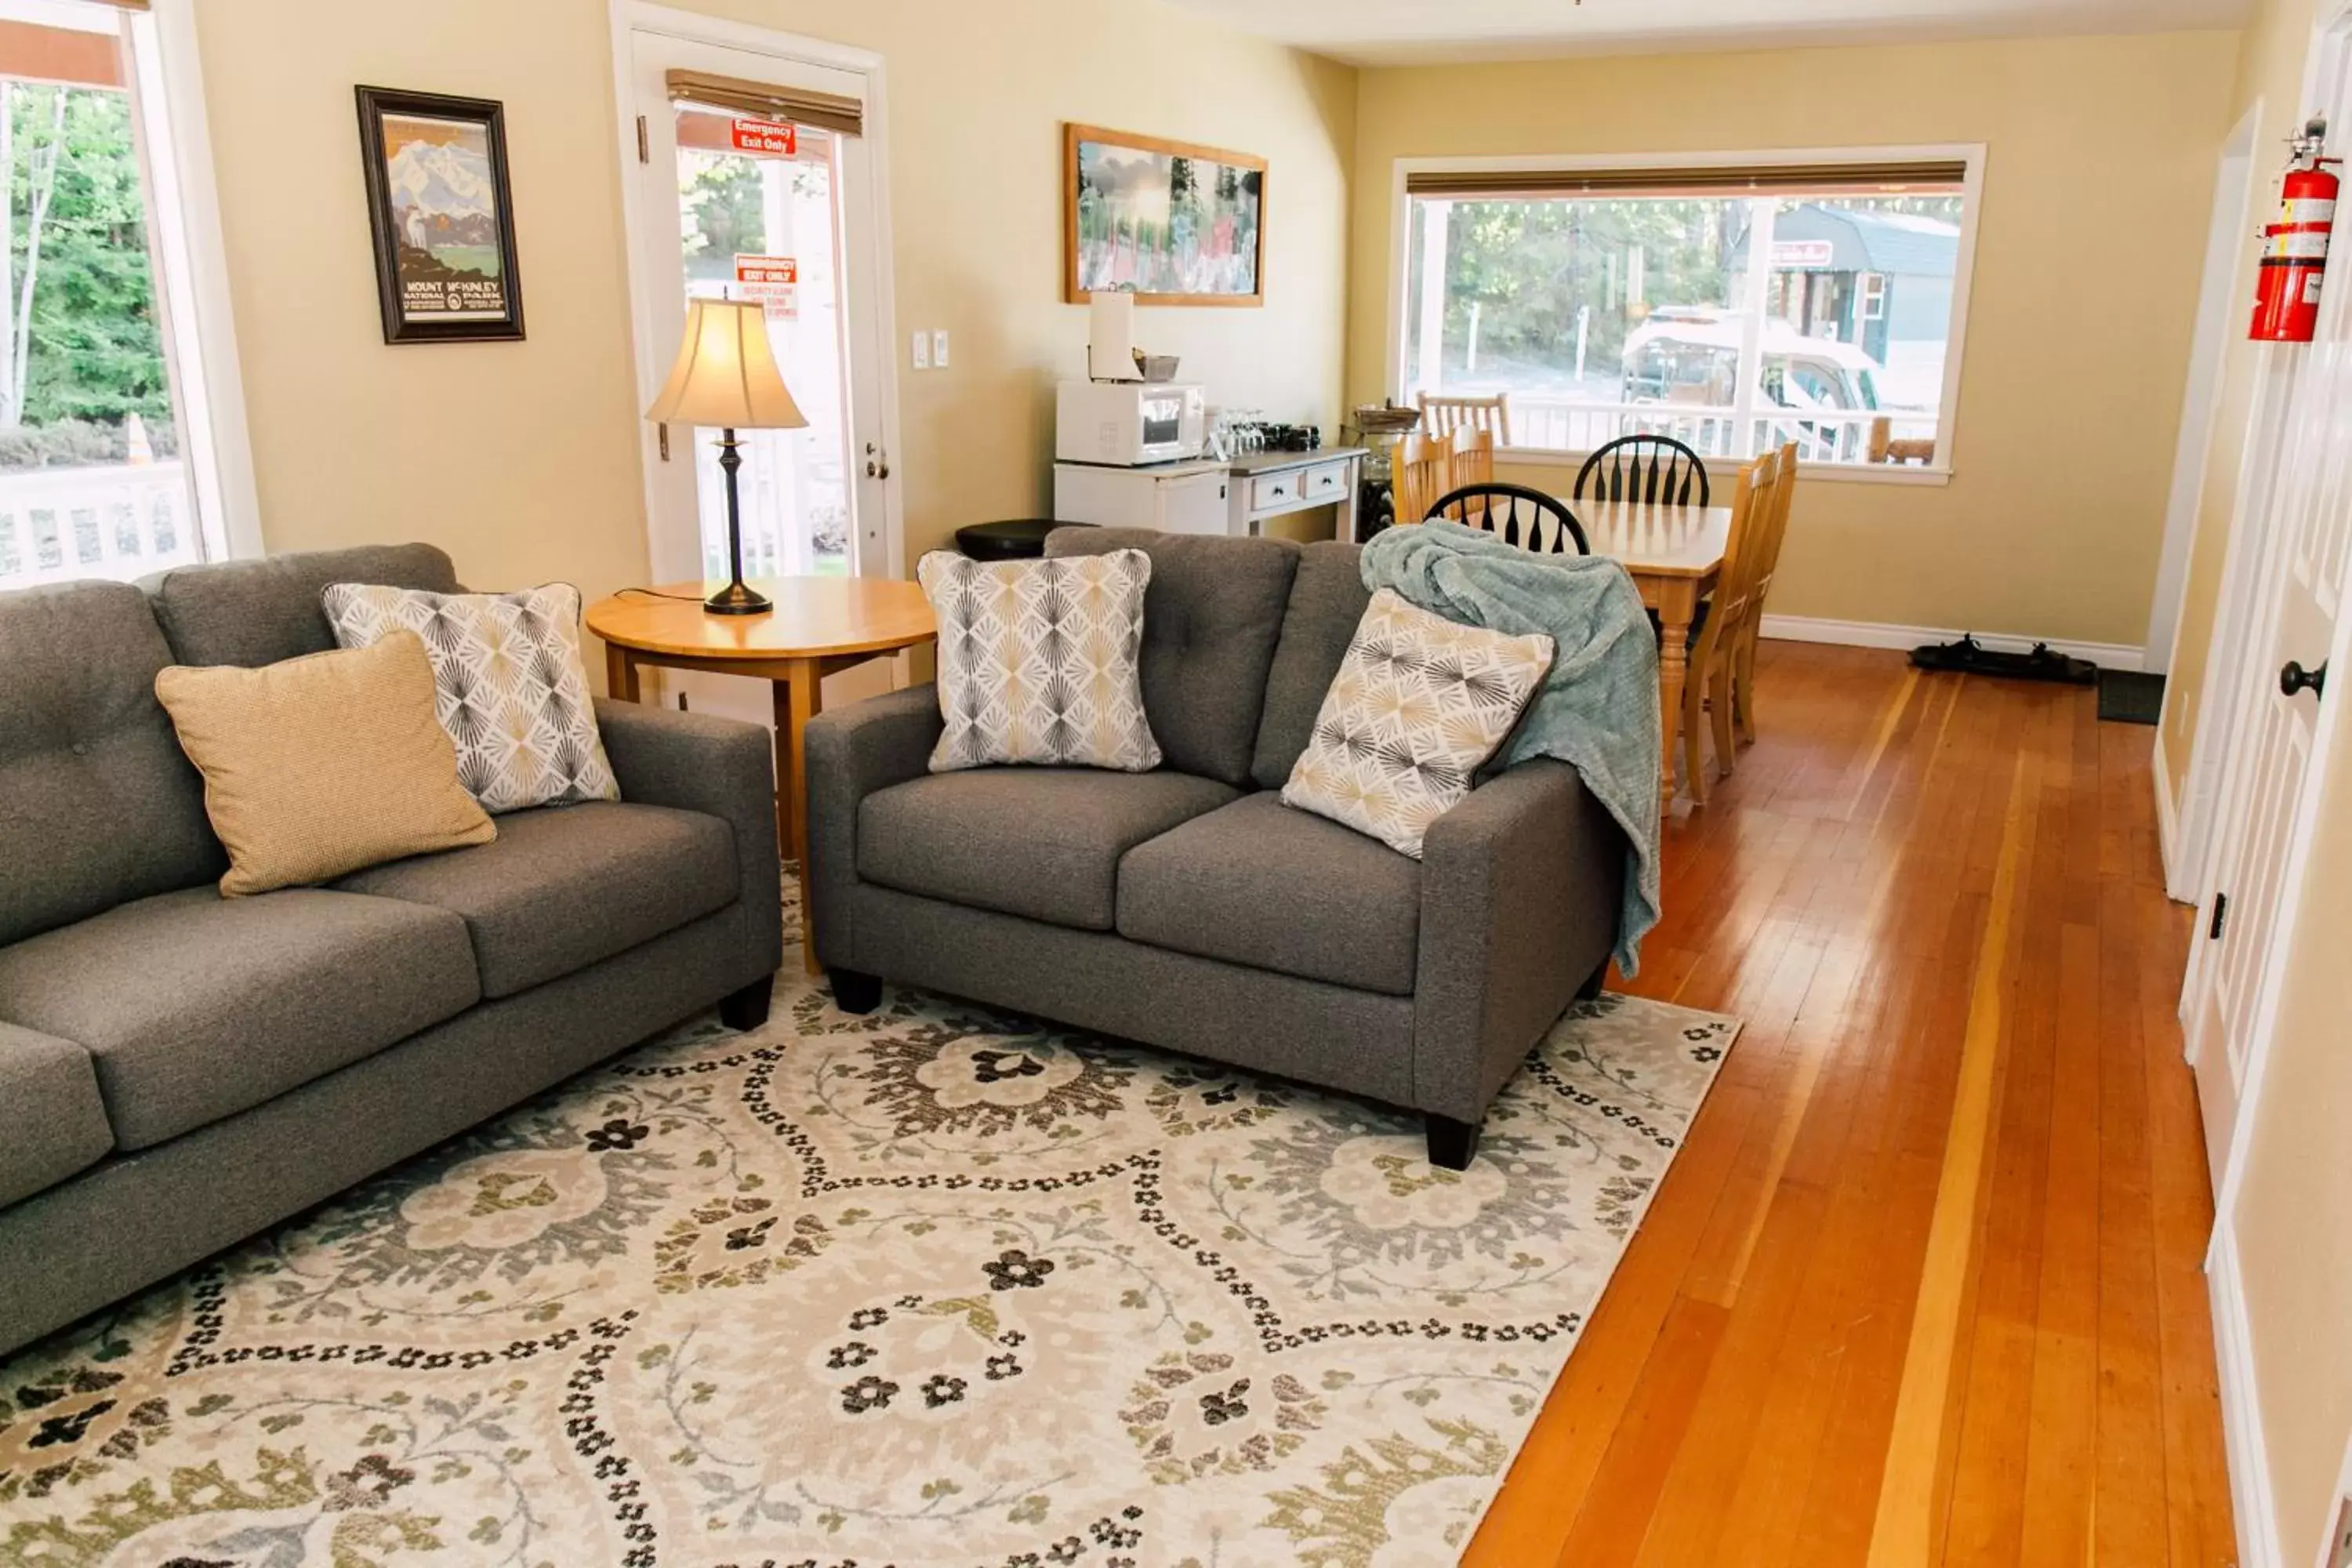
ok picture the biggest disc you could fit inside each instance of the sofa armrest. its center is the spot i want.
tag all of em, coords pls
(721, 766)
(1521, 889)
(853, 751)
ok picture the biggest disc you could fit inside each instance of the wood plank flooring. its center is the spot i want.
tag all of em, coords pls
(1925, 1285)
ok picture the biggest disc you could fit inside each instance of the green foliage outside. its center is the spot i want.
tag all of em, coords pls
(92, 349)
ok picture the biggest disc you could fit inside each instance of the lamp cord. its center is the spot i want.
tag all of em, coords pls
(657, 594)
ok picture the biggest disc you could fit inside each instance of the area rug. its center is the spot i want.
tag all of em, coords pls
(935, 1286)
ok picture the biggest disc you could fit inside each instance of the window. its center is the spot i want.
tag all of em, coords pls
(108, 465)
(1734, 306)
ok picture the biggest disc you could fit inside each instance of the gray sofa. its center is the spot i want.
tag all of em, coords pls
(179, 1071)
(1188, 908)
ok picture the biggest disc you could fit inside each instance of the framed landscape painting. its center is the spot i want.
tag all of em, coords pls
(442, 216)
(1174, 223)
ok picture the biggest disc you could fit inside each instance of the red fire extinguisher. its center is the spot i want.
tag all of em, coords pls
(2294, 248)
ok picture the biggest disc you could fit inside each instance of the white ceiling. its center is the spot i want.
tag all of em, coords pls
(1403, 32)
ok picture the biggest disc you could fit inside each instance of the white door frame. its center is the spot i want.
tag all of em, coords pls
(2217, 301)
(652, 358)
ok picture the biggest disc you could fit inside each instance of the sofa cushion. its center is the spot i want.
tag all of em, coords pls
(563, 887)
(97, 805)
(52, 1122)
(195, 1006)
(1210, 618)
(1040, 842)
(258, 612)
(1327, 599)
(1261, 884)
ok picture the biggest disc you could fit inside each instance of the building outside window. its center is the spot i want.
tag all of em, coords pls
(1612, 302)
(108, 467)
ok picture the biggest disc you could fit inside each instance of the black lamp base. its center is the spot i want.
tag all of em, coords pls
(737, 599)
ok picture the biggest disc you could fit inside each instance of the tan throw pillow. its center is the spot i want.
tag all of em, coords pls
(514, 694)
(1040, 661)
(322, 766)
(1419, 703)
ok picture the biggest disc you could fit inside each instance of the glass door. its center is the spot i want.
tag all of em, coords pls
(744, 206)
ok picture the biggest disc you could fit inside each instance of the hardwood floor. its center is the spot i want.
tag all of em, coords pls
(1925, 1285)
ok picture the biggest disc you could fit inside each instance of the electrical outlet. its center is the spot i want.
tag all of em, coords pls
(2339, 1545)
(922, 349)
(939, 349)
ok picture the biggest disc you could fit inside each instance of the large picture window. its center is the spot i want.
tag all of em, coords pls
(1735, 307)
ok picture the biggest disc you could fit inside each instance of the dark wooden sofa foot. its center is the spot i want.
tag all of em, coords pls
(1592, 986)
(1451, 1143)
(853, 992)
(747, 1008)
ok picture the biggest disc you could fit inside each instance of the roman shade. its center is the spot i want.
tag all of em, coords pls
(769, 101)
(1906, 175)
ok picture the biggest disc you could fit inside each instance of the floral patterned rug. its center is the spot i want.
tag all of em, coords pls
(936, 1286)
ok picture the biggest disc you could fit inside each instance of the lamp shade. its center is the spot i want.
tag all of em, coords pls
(726, 374)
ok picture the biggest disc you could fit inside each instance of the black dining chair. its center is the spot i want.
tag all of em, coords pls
(1652, 469)
(1517, 515)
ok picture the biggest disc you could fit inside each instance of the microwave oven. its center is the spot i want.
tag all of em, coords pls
(1129, 423)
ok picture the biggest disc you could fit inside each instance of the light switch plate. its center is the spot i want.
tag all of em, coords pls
(939, 349)
(922, 347)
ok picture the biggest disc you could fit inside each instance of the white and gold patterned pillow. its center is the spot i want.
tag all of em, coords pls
(1419, 703)
(1039, 660)
(510, 687)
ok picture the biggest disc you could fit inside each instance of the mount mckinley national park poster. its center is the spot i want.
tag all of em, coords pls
(444, 230)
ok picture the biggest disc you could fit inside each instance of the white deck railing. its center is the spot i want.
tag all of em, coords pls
(121, 520)
(1822, 435)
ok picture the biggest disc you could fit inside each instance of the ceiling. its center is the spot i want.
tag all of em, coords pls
(1408, 32)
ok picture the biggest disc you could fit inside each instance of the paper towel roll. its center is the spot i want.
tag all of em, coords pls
(1110, 337)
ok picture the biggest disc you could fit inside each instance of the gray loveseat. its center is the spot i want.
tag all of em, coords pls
(178, 1070)
(1187, 907)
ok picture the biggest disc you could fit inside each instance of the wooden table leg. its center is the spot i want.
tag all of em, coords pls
(620, 673)
(1678, 607)
(798, 701)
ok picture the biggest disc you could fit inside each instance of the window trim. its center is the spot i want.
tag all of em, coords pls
(1970, 154)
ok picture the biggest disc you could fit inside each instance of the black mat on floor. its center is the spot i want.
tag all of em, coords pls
(2130, 697)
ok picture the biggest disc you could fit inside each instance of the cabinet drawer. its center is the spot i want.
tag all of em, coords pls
(1326, 482)
(1294, 487)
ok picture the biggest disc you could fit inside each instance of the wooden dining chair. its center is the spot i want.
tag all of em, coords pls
(1420, 470)
(1443, 414)
(1517, 515)
(1657, 470)
(1473, 459)
(1707, 684)
(1751, 627)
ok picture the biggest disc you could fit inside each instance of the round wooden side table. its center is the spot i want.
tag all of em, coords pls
(820, 625)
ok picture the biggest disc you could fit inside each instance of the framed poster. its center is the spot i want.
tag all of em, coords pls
(1176, 223)
(442, 216)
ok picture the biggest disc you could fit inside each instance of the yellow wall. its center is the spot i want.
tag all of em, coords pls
(2085, 284)
(521, 460)
(2269, 79)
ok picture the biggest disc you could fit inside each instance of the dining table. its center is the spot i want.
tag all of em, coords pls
(1675, 555)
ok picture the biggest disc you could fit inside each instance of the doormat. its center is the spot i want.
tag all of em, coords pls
(2130, 697)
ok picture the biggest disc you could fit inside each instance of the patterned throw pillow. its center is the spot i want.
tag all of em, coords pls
(1039, 660)
(512, 691)
(1419, 703)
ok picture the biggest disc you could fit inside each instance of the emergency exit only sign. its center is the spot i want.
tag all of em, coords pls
(772, 137)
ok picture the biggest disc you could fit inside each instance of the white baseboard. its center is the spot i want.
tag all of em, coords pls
(2168, 823)
(2242, 1420)
(1882, 634)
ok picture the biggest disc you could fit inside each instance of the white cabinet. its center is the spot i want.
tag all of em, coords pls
(1176, 498)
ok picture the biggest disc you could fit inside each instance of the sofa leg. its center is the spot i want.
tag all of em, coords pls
(1592, 986)
(747, 1008)
(1452, 1144)
(853, 992)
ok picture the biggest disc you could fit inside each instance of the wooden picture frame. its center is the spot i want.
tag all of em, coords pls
(1223, 251)
(442, 215)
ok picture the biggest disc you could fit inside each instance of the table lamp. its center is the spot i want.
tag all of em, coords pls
(726, 375)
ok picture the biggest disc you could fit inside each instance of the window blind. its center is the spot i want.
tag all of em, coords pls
(767, 100)
(1743, 179)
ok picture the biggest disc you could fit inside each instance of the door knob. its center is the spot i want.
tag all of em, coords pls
(2294, 678)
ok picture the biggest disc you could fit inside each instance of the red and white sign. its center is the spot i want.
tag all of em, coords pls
(773, 281)
(769, 136)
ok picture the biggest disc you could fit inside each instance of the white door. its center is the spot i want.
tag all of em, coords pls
(2303, 442)
(734, 205)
